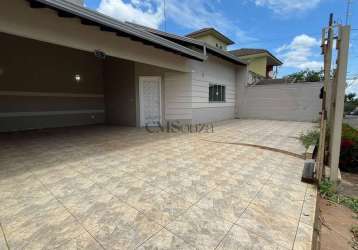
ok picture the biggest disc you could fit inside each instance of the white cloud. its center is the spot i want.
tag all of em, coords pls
(299, 53)
(352, 86)
(287, 6)
(196, 14)
(190, 14)
(144, 12)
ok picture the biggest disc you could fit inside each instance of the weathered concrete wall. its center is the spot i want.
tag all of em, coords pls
(292, 102)
(207, 115)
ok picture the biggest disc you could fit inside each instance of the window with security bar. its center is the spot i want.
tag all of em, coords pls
(217, 93)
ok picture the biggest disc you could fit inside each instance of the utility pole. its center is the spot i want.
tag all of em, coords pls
(348, 12)
(340, 81)
(165, 16)
(327, 43)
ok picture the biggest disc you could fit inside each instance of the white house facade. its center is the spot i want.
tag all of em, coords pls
(64, 65)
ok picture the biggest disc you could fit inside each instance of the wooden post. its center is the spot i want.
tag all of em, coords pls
(338, 93)
(327, 51)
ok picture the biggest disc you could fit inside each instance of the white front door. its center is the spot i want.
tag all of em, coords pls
(150, 100)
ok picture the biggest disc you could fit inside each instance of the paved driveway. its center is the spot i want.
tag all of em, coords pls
(122, 188)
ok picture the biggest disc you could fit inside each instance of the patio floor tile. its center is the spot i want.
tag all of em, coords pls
(189, 190)
(163, 207)
(271, 226)
(240, 238)
(134, 191)
(48, 230)
(224, 205)
(83, 241)
(131, 230)
(106, 187)
(200, 228)
(165, 240)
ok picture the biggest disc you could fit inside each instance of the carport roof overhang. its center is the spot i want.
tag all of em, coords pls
(107, 24)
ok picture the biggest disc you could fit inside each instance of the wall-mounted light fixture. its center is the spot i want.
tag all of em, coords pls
(1, 71)
(100, 54)
(77, 78)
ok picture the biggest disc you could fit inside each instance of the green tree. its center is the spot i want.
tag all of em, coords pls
(307, 76)
(350, 102)
(351, 97)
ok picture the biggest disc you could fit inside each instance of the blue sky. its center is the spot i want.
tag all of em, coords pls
(290, 29)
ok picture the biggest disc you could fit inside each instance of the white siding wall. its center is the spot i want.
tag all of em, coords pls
(178, 96)
(213, 71)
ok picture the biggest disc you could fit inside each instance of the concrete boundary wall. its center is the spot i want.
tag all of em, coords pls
(291, 102)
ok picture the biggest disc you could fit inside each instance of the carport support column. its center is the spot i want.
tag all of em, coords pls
(338, 97)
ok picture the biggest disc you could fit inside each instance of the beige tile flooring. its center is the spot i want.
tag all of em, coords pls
(123, 188)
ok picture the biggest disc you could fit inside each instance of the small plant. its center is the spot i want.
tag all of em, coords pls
(309, 138)
(328, 192)
(326, 189)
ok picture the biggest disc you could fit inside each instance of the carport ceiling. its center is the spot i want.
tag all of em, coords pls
(66, 9)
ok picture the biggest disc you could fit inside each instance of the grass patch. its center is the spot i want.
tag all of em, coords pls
(327, 191)
(309, 138)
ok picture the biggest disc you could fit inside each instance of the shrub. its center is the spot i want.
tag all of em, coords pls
(310, 138)
(327, 192)
(349, 149)
(348, 160)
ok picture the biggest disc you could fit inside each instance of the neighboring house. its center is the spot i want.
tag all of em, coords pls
(211, 36)
(261, 61)
(65, 65)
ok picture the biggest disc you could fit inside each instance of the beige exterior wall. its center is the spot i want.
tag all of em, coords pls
(44, 25)
(213, 41)
(257, 64)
